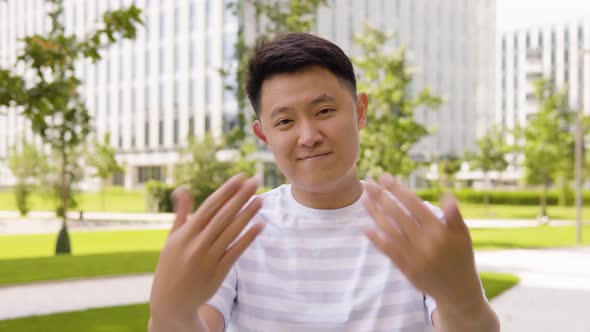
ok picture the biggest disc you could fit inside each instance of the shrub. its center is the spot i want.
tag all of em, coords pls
(158, 195)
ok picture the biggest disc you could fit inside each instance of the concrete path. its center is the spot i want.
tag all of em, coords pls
(54, 297)
(553, 293)
(552, 296)
(45, 222)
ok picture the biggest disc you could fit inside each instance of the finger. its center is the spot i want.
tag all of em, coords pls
(386, 247)
(214, 202)
(183, 205)
(228, 212)
(236, 227)
(237, 249)
(380, 218)
(403, 220)
(409, 200)
(450, 207)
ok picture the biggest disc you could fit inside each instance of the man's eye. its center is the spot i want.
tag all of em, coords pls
(325, 111)
(282, 122)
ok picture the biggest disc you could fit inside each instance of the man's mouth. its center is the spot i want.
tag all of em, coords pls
(315, 156)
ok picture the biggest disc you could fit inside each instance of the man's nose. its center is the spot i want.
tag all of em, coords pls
(309, 135)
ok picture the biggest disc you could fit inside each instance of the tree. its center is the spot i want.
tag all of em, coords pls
(27, 164)
(548, 147)
(101, 157)
(391, 130)
(490, 156)
(448, 165)
(204, 172)
(281, 17)
(49, 96)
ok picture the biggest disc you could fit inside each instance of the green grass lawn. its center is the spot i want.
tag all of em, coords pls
(83, 243)
(131, 318)
(530, 237)
(134, 317)
(26, 258)
(115, 200)
(478, 211)
(497, 283)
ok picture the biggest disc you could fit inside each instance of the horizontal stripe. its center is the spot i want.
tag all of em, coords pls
(286, 305)
(409, 322)
(293, 281)
(258, 250)
(324, 296)
(295, 242)
(290, 264)
(331, 317)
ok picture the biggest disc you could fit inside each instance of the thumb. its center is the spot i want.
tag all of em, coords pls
(450, 207)
(183, 205)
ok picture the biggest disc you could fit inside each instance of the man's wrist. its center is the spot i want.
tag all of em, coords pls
(474, 316)
(163, 325)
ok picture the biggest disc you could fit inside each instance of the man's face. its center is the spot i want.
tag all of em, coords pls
(310, 121)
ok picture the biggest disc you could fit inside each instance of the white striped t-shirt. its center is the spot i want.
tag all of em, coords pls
(314, 270)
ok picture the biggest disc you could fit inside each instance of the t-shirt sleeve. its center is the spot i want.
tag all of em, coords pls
(225, 297)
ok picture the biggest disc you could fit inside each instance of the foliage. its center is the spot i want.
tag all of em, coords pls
(202, 170)
(509, 197)
(281, 17)
(490, 155)
(159, 199)
(101, 157)
(391, 130)
(448, 165)
(28, 165)
(49, 95)
(548, 147)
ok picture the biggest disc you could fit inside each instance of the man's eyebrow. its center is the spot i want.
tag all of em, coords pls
(322, 99)
(318, 100)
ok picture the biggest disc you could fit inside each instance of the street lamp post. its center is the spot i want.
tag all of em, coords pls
(578, 148)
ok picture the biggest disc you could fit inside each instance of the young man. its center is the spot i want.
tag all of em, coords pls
(327, 252)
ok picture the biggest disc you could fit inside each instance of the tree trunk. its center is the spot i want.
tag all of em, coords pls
(102, 194)
(63, 239)
(544, 199)
(486, 195)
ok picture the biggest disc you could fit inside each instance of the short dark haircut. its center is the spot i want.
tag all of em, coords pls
(293, 52)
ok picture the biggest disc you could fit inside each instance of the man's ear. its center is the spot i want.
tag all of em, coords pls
(362, 104)
(257, 129)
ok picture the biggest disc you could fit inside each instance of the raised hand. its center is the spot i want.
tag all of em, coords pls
(436, 256)
(197, 255)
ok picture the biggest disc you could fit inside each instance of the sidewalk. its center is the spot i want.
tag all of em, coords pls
(551, 297)
(44, 222)
(553, 293)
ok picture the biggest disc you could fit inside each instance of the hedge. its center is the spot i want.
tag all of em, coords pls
(520, 197)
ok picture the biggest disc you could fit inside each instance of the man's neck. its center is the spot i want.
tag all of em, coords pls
(341, 195)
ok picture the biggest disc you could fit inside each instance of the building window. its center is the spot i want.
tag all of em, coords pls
(162, 26)
(175, 132)
(147, 63)
(176, 58)
(146, 131)
(192, 18)
(147, 173)
(162, 62)
(161, 132)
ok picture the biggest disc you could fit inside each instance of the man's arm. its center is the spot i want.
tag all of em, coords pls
(436, 256)
(208, 320)
(480, 317)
